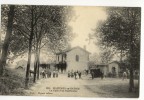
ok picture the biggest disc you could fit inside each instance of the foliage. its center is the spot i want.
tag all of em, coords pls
(12, 82)
(37, 26)
(50, 27)
(121, 31)
(106, 56)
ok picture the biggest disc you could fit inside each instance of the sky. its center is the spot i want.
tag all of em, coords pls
(85, 19)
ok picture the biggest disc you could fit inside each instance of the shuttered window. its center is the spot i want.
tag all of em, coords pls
(77, 58)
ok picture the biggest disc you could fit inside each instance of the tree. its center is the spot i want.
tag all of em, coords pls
(121, 30)
(52, 27)
(7, 38)
(36, 27)
(22, 39)
(94, 58)
(106, 56)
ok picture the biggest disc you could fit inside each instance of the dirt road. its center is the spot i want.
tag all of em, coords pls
(86, 87)
(61, 86)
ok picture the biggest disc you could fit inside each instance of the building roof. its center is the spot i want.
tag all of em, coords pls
(101, 64)
(115, 62)
(98, 66)
(73, 49)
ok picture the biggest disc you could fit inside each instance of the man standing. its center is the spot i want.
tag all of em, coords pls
(124, 75)
(75, 75)
(92, 74)
(79, 73)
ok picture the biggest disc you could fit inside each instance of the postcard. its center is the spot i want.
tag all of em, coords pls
(70, 51)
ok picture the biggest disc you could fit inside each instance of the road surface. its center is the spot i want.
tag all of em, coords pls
(85, 87)
(61, 86)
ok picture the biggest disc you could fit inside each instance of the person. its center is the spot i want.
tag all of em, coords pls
(75, 75)
(86, 72)
(79, 73)
(56, 73)
(72, 74)
(68, 74)
(124, 75)
(53, 74)
(31, 72)
(102, 75)
(92, 74)
(48, 74)
(43, 74)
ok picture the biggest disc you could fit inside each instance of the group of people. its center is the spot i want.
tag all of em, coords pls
(86, 72)
(75, 74)
(101, 74)
(46, 73)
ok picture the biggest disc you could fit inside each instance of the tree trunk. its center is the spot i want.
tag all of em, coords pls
(35, 68)
(29, 52)
(28, 65)
(138, 81)
(7, 39)
(121, 66)
(131, 81)
(121, 56)
(38, 61)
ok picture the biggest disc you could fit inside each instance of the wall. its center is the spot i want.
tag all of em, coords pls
(113, 65)
(58, 59)
(82, 64)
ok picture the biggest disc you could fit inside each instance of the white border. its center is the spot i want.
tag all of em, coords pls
(77, 2)
(120, 3)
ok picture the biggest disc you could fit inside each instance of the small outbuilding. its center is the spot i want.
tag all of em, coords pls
(111, 69)
(114, 68)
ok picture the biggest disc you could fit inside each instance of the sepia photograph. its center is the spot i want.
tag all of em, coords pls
(70, 51)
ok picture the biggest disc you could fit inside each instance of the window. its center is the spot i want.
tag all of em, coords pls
(64, 57)
(58, 57)
(77, 58)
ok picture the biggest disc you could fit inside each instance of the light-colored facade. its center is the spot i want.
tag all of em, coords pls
(114, 66)
(76, 59)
